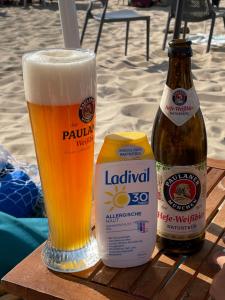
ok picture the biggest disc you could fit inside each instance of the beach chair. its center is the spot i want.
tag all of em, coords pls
(25, 4)
(124, 15)
(195, 11)
(216, 3)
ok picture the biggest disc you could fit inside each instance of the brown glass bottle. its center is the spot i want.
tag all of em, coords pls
(180, 148)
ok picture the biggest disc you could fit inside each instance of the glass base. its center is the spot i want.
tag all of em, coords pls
(70, 261)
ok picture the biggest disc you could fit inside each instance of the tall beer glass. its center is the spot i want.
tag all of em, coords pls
(60, 90)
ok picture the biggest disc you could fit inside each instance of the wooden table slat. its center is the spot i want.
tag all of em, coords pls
(204, 276)
(126, 278)
(214, 176)
(216, 163)
(55, 285)
(208, 268)
(214, 200)
(2, 290)
(192, 264)
(105, 275)
(199, 290)
(87, 273)
(154, 276)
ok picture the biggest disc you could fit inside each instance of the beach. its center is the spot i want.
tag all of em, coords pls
(129, 88)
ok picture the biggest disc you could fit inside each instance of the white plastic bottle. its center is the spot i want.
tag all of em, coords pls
(125, 200)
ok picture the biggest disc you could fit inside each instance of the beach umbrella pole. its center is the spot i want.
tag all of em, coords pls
(69, 23)
(178, 19)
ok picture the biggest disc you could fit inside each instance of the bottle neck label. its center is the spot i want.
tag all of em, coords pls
(179, 105)
(181, 201)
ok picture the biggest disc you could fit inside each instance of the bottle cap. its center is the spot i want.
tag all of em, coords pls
(127, 145)
(126, 137)
(180, 48)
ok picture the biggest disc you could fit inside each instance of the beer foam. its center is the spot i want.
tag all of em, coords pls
(59, 76)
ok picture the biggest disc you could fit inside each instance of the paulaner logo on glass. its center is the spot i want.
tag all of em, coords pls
(127, 177)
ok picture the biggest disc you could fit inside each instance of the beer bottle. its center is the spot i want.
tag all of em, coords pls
(180, 149)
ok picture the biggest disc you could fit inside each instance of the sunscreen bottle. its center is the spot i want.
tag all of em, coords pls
(125, 200)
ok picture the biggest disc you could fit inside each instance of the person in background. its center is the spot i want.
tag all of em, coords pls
(216, 3)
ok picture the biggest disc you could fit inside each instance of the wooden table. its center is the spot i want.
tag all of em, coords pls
(163, 277)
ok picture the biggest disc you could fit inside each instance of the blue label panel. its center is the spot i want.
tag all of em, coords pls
(139, 198)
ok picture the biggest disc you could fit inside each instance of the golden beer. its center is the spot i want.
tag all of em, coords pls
(60, 89)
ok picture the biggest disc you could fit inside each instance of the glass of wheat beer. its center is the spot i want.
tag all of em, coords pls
(60, 90)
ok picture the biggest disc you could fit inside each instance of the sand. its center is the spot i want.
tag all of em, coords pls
(129, 88)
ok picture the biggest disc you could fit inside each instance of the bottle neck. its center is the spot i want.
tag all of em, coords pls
(179, 73)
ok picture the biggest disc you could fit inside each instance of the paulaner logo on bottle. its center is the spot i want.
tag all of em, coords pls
(182, 191)
(127, 177)
(179, 105)
(179, 97)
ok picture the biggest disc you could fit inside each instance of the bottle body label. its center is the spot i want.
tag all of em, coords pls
(181, 201)
(179, 105)
(126, 211)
